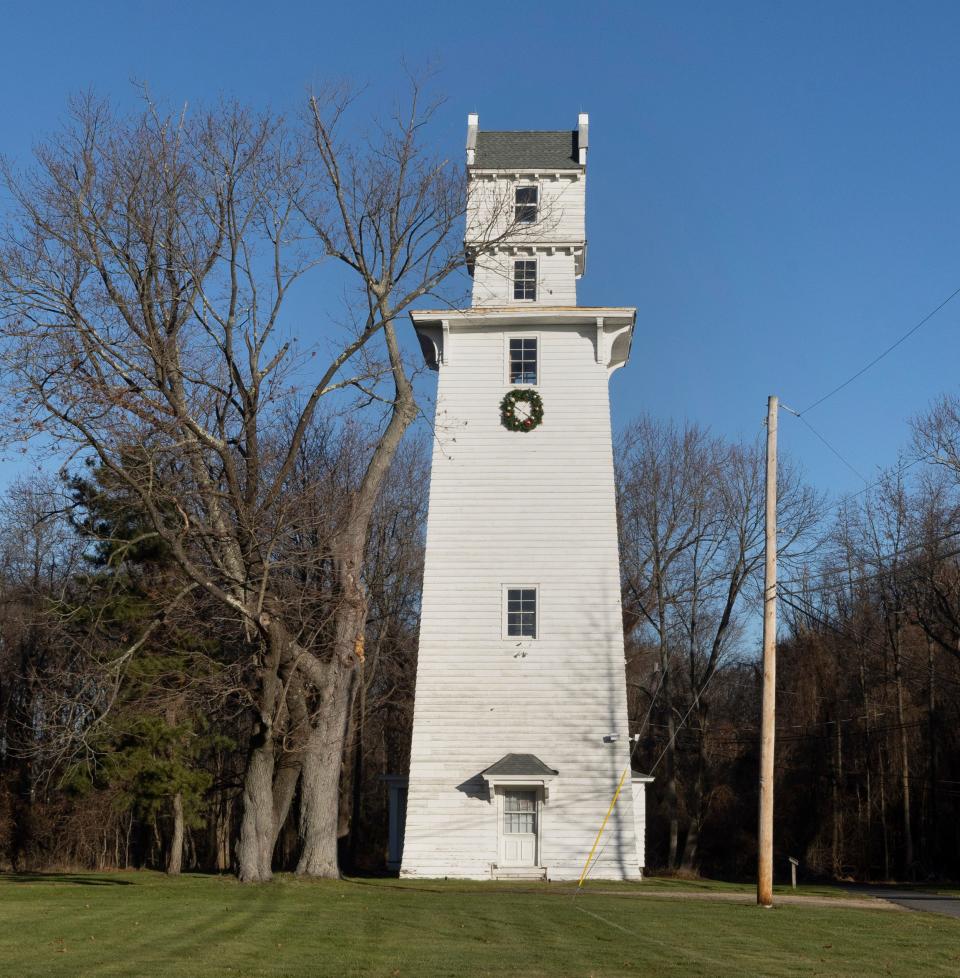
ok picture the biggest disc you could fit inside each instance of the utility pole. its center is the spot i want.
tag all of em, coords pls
(768, 716)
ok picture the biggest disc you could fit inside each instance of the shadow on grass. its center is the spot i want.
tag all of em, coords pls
(74, 878)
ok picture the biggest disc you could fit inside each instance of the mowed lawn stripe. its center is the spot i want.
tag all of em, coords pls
(211, 927)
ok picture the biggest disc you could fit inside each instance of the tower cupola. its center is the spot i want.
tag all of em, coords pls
(526, 221)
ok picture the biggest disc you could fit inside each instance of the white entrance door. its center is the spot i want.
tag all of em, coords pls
(518, 836)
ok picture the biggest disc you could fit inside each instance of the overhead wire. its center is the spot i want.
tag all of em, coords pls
(913, 329)
(903, 467)
(875, 561)
(799, 416)
(859, 373)
(818, 615)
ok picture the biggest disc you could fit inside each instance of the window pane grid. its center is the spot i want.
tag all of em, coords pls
(520, 801)
(522, 612)
(520, 812)
(519, 823)
(525, 279)
(523, 361)
(525, 210)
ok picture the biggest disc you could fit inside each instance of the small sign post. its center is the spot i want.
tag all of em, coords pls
(794, 863)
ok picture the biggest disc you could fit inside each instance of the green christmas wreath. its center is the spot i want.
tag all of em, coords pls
(530, 418)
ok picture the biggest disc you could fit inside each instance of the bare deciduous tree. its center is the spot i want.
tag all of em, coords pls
(143, 281)
(691, 519)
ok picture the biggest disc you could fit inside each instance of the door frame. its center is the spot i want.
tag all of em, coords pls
(499, 794)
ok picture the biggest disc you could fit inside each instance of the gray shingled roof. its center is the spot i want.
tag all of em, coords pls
(527, 150)
(520, 764)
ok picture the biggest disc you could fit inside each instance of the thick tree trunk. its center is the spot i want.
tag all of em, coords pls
(175, 855)
(290, 764)
(320, 782)
(322, 760)
(255, 848)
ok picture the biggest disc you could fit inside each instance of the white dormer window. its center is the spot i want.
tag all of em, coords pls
(525, 279)
(523, 360)
(526, 201)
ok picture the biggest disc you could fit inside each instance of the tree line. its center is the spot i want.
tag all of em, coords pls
(868, 675)
(209, 618)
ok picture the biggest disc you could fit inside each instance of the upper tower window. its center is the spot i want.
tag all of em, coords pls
(525, 279)
(526, 200)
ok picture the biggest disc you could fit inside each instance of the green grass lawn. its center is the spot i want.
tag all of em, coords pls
(143, 924)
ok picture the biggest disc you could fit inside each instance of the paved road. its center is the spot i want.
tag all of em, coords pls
(915, 900)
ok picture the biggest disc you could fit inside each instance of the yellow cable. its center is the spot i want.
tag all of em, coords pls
(603, 825)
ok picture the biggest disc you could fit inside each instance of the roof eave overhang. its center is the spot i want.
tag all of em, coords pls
(494, 781)
(530, 315)
(525, 170)
(614, 326)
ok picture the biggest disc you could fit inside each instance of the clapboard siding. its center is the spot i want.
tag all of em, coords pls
(561, 216)
(520, 508)
(556, 279)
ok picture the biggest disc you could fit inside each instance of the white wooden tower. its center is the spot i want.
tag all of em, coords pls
(520, 724)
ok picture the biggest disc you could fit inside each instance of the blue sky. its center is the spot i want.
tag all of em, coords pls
(774, 186)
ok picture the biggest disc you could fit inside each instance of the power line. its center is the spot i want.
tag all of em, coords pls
(888, 350)
(903, 467)
(875, 561)
(783, 736)
(820, 617)
(813, 613)
(800, 417)
(860, 578)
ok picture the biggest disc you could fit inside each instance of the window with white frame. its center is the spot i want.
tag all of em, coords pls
(526, 200)
(521, 612)
(523, 359)
(519, 812)
(525, 279)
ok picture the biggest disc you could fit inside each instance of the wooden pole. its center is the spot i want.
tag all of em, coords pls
(768, 717)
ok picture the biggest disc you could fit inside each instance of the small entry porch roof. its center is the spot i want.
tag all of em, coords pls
(518, 771)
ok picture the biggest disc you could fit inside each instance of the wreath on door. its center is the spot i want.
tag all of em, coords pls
(527, 417)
